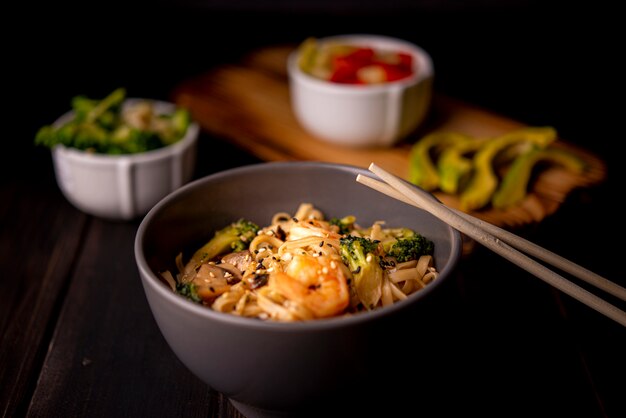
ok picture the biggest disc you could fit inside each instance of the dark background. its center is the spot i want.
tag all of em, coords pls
(544, 63)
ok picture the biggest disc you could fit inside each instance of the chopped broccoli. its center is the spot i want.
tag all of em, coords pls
(101, 126)
(234, 237)
(345, 224)
(411, 248)
(188, 290)
(361, 257)
(356, 247)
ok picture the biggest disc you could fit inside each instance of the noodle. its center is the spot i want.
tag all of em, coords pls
(265, 242)
(304, 267)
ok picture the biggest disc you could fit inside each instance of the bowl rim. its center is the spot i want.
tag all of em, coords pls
(425, 59)
(76, 154)
(149, 278)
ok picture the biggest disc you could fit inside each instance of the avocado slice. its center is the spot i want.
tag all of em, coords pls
(484, 181)
(422, 171)
(514, 185)
(453, 165)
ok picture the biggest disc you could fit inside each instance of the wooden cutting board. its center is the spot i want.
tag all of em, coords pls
(248, 104)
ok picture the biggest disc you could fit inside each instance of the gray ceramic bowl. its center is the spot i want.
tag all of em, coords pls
(270, 367)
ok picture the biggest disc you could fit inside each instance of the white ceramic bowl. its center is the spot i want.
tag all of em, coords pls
(123, 187)
(363, 115)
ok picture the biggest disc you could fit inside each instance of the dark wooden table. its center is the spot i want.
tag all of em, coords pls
(78, 339)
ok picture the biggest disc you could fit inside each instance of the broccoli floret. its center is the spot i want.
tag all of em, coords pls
(47, 136)
(188, 290)
(411, 248)
(356, 248)
(345, 224)
(361, 257)
(234, 237)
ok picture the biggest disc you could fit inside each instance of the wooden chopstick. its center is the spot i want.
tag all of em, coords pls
(514, 241)
(483, 233)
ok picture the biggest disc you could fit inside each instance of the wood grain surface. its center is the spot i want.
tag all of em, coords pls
(35, 270)
(248, 104)
(107, 353)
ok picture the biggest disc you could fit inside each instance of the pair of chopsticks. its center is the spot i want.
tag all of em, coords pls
(505, 244)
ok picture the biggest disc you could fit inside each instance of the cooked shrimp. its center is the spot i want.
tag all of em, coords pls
(315, 282)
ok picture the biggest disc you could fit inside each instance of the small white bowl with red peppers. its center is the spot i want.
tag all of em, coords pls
(360, 90)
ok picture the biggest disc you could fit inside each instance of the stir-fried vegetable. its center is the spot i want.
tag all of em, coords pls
(361, 257)
(108, 127)
(234, 237)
